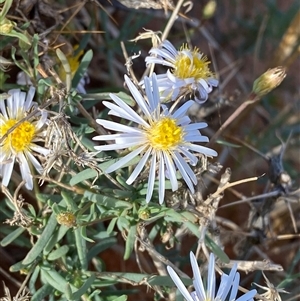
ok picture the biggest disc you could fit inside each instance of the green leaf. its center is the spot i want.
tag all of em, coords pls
(56, 280)
(82, 68)
(130, 242)
(83, 289)
(107, 201)
(216, 249)
(60, 252)
(101, 246)
(66, 67)
(91, 173)
(105, 96)
(37, 249)
(121, 298)
(81, 247)
(42, 292)
(12, 236)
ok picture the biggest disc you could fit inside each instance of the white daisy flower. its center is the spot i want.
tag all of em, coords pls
(161, 137)
(189, 72)
(228, 282)
(20, 145)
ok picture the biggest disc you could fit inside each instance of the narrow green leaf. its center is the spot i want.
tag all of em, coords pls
(60, 252)
(130, 242)
(11, 237)
(216, 249)
(58, 282)
(82, 68)
(81, 247)
(37, 249)
(42, 292)
(91, 173)
(101, 246)
(66, 67)
(83, 289)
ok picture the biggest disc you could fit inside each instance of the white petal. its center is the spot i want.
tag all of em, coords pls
(114, 146)
(185, 293)
(35, 162)
(171, 171)
(116, 126)
(211, 278)
(137, 96)
(161, 179)
(7, 171)
(248, 296)
(139, 167)
(29, 98)
(198, 284)
(235, 287)
(125, 159)
(151, 178)
(183, 109)
(25, 171)
(124, 110)
(203, 150)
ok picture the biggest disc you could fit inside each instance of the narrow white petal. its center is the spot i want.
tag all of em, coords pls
(116, 126)
(183, 109)
(248, 296)
(125, 159)
(184, 174)
(203, 150)
(195, 126)
(186, 167)
(161, 179)
(139, 167)
(29, 98)
(211, 278)
(228, 281)
(39, 149)
(235, 287)
(137, 96)
(129, 113)
(25, 171)
(185, 293)
(198, 284)
(35, 162)
(7, 171)
(192, 158)
(151, 178)
(194, 138)
(171, 171)
(114, 146)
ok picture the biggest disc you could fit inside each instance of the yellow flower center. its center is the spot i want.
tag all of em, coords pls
(165, 134)
(20, 138)
(195, 66)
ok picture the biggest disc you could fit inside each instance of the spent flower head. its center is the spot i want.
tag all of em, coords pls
(229, 283)
(272, 292)
(161, 137)
(19, 140)
(189, 72)
(268, 81)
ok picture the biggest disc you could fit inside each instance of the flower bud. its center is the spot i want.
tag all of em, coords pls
(6, 26)
(66, 218)
(268, 81)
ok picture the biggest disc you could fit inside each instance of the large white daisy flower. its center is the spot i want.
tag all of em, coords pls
(161, 137)
(189, 72)
(228, 282)
(20, 145)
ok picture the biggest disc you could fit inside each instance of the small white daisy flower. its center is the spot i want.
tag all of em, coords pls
(228, 282)
(161, 137)
(20, 145)
(189, 73)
